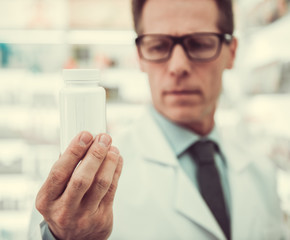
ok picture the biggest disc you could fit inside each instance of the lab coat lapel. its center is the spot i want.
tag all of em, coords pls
(244, 205)
(190, 204)
(242, 212)
(188, 201)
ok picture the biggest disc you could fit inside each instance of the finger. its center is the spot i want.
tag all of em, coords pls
(109, 197)
(103, 179)
(84, 174)
(64, 166)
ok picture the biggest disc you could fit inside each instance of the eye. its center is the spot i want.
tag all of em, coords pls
(157, 46)
(201, 43)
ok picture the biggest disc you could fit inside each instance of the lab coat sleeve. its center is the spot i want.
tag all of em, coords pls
(45, 232)
(38, 228)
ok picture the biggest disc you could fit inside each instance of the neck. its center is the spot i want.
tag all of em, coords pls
(202, 127)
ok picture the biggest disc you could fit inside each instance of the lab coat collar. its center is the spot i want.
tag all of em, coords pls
(160, 151)
(157, 148)
(238, 156)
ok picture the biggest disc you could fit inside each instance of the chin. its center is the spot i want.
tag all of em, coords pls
(184, 116)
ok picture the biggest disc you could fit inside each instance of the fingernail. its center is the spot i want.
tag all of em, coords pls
(114, 150)
(104, 140)
(85, 139)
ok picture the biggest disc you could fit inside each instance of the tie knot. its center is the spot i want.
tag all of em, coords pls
(203, 152)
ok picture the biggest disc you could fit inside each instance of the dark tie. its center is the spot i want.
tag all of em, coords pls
(209, 182)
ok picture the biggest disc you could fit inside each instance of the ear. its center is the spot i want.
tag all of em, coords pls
(232, 53)
(140, 62)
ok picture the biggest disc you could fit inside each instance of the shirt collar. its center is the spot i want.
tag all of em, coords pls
(180, 138)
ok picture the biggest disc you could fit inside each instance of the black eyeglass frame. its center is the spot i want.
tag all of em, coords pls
(223, 38)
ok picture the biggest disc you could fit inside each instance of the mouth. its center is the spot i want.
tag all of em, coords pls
(184, 96)
(184, 92)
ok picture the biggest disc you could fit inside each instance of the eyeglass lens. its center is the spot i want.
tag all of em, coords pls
(201, 47)
(156, 47)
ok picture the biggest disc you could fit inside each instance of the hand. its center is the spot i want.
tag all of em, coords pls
(76, 200)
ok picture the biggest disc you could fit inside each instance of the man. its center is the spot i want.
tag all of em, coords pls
(180, 180)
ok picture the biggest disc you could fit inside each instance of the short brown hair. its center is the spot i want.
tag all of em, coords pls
(225, 23)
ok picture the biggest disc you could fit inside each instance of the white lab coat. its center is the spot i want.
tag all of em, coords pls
(156, 200)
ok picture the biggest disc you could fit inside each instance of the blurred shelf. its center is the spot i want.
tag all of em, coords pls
(96, 37)
(32, 36)
(100, 37)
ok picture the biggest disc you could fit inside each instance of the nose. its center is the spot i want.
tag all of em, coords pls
(179, 64)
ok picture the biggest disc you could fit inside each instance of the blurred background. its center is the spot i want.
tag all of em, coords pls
(38, 38)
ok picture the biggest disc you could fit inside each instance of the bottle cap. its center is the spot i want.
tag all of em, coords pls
(81, 74)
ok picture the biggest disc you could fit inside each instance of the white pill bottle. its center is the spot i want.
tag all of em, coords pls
(82, 105)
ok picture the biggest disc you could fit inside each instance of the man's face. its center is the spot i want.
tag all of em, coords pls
(185, 91)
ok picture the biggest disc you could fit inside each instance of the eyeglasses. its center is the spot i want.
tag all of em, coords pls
(202, 47)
